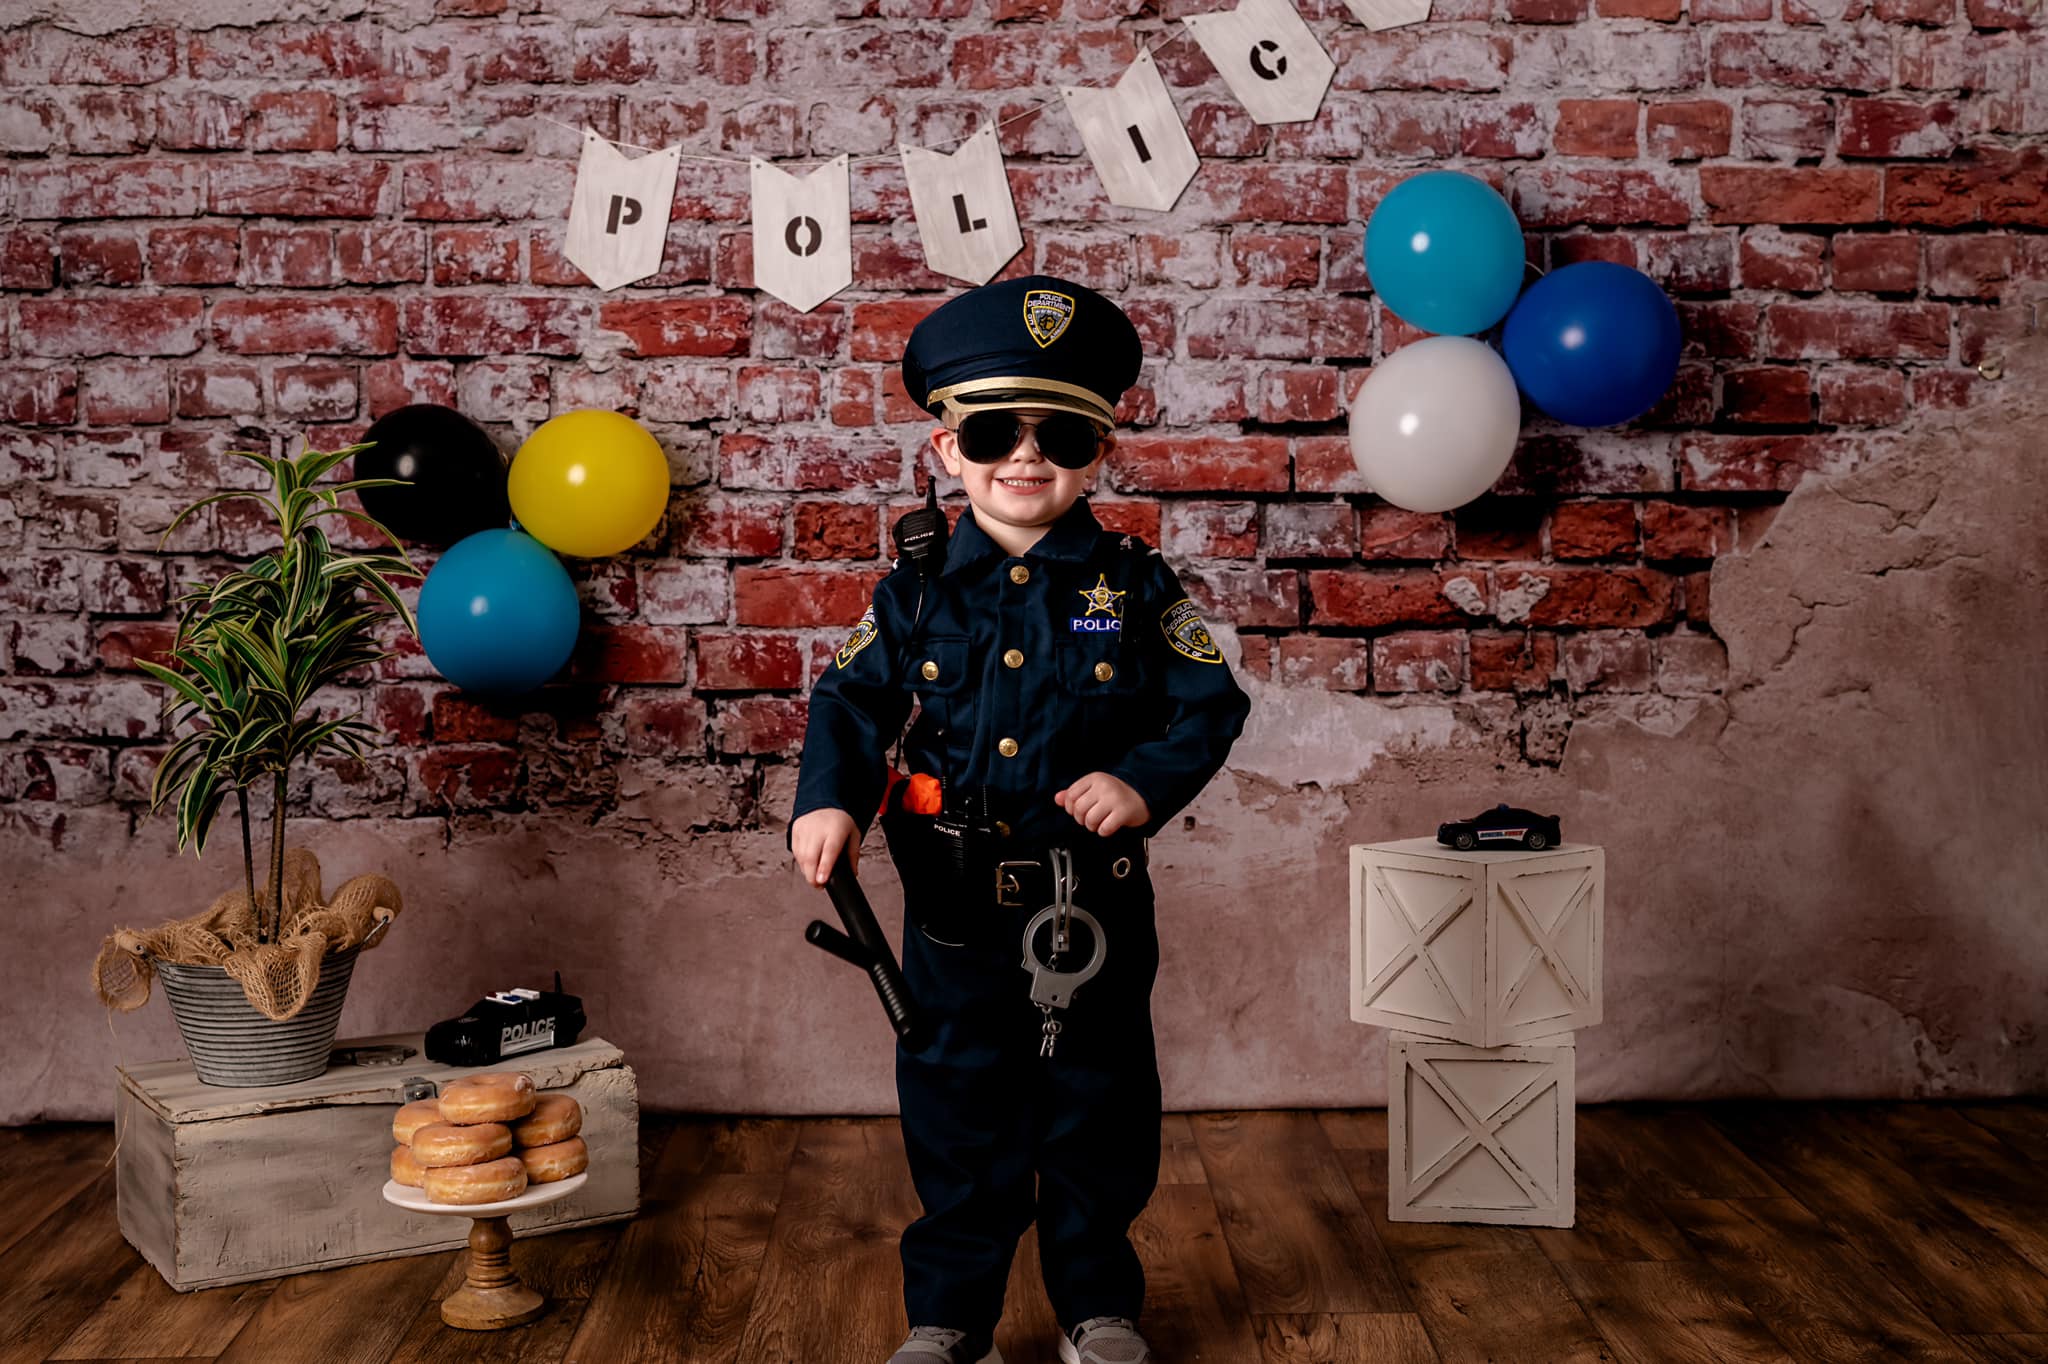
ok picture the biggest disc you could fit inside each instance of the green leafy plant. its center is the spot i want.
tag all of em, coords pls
(254, 647)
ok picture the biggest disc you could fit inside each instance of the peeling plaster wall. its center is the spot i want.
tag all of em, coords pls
(1827, 882)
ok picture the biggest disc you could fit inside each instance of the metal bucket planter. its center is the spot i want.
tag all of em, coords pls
(232, 1044)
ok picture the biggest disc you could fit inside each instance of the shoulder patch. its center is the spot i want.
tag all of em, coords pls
(1183, 628)
(862, 636)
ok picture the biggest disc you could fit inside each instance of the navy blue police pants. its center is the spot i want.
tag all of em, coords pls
(998, 1135)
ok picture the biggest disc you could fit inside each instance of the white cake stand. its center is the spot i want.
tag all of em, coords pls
(492, 1297)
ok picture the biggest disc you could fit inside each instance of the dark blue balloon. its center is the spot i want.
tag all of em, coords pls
(1593, 344)
(498, 613)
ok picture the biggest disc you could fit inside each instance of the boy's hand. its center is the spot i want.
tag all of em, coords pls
(816, 840)
(1101, 804)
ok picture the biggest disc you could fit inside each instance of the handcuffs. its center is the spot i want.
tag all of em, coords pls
(1052, 988)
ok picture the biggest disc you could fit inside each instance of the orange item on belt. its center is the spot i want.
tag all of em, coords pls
(921, 793)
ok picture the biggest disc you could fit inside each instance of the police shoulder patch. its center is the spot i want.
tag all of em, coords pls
(1183, 628)
(862, 636)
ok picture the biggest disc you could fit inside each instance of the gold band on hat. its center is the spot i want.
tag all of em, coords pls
(1065, 396)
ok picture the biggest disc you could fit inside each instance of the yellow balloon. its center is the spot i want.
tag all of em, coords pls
(589, 483)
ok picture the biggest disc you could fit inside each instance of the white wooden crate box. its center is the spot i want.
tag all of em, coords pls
(218, 1186)
(1485, 948)
(1480, 1134)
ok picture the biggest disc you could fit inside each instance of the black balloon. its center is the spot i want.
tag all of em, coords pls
(454, 477)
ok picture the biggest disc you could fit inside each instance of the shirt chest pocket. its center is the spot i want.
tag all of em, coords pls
(1099, 666)
(937, 666)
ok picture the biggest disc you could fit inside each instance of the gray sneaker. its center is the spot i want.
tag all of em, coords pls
(1105, 1340)
(937, 1345)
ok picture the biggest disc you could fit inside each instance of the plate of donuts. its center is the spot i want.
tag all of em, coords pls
(415, 1200)
(486, 1141)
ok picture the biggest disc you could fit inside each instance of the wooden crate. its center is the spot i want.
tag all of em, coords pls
(218, 1186)
(1480, 1134)
(1484, 948)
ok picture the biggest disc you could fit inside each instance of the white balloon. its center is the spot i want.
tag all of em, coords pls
(1435, 423)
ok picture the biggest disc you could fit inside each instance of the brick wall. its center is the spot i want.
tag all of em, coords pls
(233, 236)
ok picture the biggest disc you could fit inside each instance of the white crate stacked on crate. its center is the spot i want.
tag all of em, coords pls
(1484, 964)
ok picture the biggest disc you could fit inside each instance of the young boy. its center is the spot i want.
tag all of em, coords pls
(1073, 703)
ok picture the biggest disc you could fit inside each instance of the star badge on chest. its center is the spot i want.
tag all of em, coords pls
(1102, 599)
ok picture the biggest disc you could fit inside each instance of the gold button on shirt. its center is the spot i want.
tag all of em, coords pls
(1008, 748)
(1013, 658)
(930, 670)
(1103, 672)
(1019, 574)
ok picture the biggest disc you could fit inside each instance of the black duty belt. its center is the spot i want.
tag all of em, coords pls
(1023, 877)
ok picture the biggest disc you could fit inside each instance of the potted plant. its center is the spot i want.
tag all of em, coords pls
(256, 983)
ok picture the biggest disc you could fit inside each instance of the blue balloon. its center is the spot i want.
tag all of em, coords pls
(498, 613)
(1445, 253)
(1593, 344)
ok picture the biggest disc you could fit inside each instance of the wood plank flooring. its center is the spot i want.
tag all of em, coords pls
(1725, 1234)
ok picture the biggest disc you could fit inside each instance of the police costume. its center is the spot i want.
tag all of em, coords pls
(1081, 655)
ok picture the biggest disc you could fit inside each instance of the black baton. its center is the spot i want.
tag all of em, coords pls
(864, 946)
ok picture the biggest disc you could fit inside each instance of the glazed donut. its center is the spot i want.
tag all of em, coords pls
(445, 1143)
(559, 1160)
(498, 1097)
(413, 1117)
(406, 1170)
(494, 1181)
(555, 1117)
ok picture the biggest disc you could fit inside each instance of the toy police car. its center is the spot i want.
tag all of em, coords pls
(1501, 827)
(505, 1024)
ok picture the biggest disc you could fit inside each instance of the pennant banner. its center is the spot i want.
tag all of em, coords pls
(1268, 58)
(803, 233)
(1379, 14)
(618, 220)
(965, 216)
(1134, 137)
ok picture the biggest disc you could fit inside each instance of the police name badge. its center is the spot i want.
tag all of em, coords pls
(1183, 628)
(1105, 609)
(862, 636)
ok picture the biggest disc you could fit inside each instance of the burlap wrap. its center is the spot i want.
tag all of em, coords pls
(277, 977)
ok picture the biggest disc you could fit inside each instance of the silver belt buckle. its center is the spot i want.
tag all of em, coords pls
(1007, 883)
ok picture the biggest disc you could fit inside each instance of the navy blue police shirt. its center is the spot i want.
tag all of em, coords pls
(1081, 655)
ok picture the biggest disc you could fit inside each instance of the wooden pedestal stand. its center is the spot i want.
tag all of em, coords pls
(491, 1298)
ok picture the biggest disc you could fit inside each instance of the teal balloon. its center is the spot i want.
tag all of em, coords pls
(498, 613)
(1445, 253)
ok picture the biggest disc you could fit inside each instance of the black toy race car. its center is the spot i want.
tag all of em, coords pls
(1501, 827)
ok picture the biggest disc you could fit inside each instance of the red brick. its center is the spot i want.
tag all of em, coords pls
(1551, 196)
(465, 777)
(1378, 598)
(99, 255)
(201, 121)
(1393, 533)
(630, 654)
(1326, 661)
(28, 258)
(1836, 58)
(328, 324)
(317, 391)
(1686, 130)
(1199, 464)
(82, 190)
(1674, 530)
(1424, 59)
(126, 393)
(1879, 263)
(494, 324)
(760, 725)
(1862, 395)
(1785, 129)
(1988, 185)
(1419, 660)
(1518, 662)
(205, 253)
(296, 189)
(1792, 261)
(1574, 247)
(462, 719)
(1309, 530)
(1691, 262)
(1935, 12)
(1280, 328)
(772, 394)
(392, 384)
(1502, 129)
(880, 330)
(52, 56)
(1975, 266)
(1730, 11)
(289, 257)
(1607, 661)
(1754, 464)
(835, 530)
(682, 326)
(1889, 128)
(475, 255)
(808, 463)
(1139, 517)
(1856, 331)
(663, 724)
(1300, 394)
(1660, 11)
(123, 587)
(736, 527)
(1500, 528)
(802, 598)
(1210, 530)
(1275, 260)
(748, 661)
(1593, 530)
(1992, 14)
(1750, 194)
(121, 642)
(1597, 127)
(1770, 395)
(1945, 389)
(1625, 597)
(284, 52)
(382, 253)
(219, 390)
(293, 121)
(162, 325)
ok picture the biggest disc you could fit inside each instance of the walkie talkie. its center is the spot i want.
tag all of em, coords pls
(921, 534)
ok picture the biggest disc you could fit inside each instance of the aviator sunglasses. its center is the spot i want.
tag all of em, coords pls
(1066, 439)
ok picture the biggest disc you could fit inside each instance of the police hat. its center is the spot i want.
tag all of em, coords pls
(1033, 342)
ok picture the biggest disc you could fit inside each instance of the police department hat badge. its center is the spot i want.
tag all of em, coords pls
(1183, 628)
(1046, 314)
(862, 636)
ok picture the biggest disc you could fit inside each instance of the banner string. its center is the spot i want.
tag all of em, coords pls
(1178, 34)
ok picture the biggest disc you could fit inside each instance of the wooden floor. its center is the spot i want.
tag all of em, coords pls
(1730, 1233)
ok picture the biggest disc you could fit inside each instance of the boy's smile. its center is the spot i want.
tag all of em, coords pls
(1016, 498)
